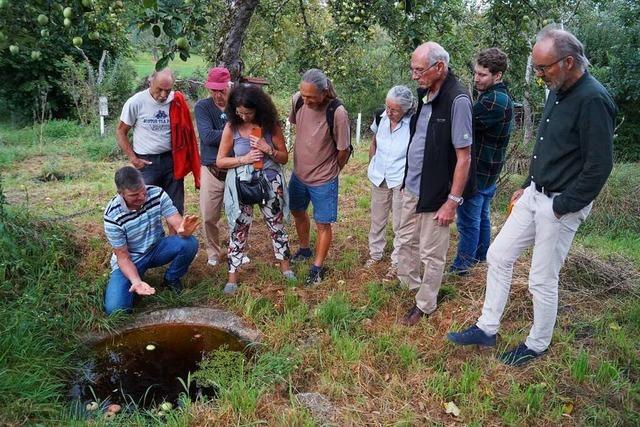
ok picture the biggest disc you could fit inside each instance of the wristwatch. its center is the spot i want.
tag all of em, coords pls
(458, 199)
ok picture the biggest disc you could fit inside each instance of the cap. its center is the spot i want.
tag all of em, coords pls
(218, 78)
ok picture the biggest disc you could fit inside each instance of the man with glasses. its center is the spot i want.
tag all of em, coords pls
(438, 165)
(492, 114)
(210, 120)
(571, 161)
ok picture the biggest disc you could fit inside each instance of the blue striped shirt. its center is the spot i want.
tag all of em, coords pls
(138, 230)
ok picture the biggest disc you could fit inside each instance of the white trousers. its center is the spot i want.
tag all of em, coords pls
(532, 222)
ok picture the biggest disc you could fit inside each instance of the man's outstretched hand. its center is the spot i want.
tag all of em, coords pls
(188, 225)
(142, 288)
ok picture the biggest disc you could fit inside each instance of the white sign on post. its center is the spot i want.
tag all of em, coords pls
(104, 111)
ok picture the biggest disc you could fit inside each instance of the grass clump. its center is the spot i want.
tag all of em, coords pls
(240, 383)
(42, 307)
(336, 313)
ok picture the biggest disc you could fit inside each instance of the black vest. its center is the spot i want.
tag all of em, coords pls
(440, 158)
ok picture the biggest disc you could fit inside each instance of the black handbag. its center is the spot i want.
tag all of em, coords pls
(254, 191)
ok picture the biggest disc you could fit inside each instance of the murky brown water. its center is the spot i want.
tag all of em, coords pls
(142, 366)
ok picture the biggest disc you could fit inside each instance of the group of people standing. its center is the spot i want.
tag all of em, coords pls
(241, 139)
(434, 158)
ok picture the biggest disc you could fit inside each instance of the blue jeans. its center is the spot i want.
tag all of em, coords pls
(179, 251)
(323, 197)
(474, 228)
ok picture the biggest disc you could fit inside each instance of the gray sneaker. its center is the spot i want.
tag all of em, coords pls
(230, 288)
(289, 276)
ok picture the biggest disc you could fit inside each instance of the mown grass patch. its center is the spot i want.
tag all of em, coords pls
(144, 65)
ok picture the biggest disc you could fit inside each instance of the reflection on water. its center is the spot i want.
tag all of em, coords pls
(142, 366)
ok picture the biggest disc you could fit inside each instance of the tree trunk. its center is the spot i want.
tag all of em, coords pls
(234, 28)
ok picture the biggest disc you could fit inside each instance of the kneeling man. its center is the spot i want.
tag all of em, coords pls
(133, 225)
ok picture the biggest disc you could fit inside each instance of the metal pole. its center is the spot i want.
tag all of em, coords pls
(358, 124)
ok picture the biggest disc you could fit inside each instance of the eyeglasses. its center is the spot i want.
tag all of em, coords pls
(543, 68)
(393, 110)
(421, 71)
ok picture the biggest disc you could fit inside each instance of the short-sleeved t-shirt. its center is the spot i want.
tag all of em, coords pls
(138, 230)
(315, 160)
(150, 122)
(461, 136)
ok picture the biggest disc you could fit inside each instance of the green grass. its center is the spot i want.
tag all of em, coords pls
(144, 65)
(340, 338)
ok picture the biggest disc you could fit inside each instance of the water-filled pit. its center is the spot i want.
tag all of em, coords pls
(149, 362)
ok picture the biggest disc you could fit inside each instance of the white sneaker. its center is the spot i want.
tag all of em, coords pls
(371, 262)
(245, 259)
(213, 262)
(392, 273)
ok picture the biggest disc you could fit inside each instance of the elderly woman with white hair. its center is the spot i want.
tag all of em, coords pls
(387, 157)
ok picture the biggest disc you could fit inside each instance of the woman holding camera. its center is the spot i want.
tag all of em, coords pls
(252, 148)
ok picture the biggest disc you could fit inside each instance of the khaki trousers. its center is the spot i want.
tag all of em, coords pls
(383, 201)
(421, 242)
(211, 199)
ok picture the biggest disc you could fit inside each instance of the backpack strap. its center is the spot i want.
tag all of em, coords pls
(331, 112)
(299, 104)
(378, 115)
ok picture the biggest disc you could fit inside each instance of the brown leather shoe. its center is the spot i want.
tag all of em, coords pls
(413, 316)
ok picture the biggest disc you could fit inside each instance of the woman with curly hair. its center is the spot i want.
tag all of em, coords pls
(250, 112)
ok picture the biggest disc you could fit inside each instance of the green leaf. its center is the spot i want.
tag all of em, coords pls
(150, 4)
(156, 31)
(184, 55)
(162, 63)
(173, 27)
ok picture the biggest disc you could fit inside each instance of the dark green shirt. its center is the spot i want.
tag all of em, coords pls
(573, 154)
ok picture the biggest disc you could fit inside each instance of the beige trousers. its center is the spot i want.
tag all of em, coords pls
(383, 201)
(211, 195)
(421, 242)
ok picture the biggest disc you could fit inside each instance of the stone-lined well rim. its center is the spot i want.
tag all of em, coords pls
(199, 316)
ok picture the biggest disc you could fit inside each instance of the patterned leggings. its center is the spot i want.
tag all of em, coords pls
(274, 217)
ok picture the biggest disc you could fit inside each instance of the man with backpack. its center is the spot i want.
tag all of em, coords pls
(322, 148)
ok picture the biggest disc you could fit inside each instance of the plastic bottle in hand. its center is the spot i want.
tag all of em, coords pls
(257, 132)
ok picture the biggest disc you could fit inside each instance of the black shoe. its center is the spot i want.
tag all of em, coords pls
(519, 356)
(302, 254)
(315, 276)
(472, 336)
(175, 286)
